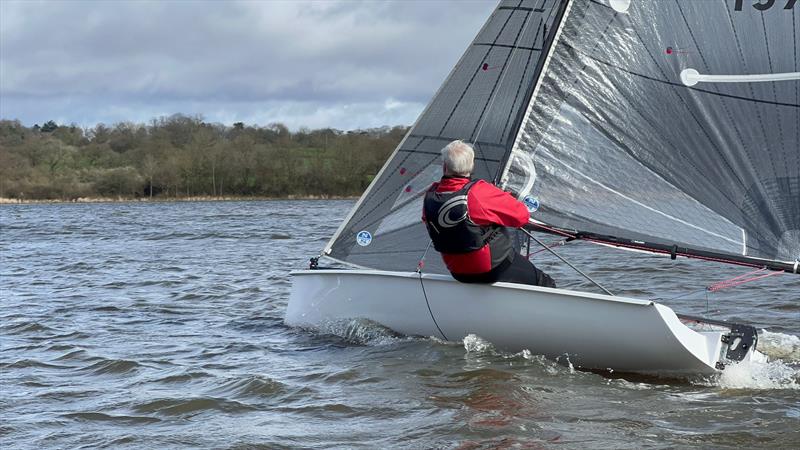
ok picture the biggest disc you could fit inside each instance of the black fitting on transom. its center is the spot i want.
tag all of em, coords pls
(314, 263)
(740, 340)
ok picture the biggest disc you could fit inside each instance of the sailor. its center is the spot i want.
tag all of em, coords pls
(467, 222)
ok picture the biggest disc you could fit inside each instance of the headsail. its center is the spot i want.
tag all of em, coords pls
(479, 103)
(671, 124)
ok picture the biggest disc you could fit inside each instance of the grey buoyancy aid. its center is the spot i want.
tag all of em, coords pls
(452, 231)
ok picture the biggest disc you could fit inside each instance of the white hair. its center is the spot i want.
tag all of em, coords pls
(458, 158)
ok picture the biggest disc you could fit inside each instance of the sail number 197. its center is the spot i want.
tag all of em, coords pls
(763, 5)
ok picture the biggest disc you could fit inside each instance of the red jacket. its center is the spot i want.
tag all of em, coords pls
(486, 205)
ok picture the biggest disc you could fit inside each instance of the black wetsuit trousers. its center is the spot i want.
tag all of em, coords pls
(516, 270)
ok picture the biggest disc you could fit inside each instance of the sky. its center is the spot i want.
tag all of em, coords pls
(315, 64)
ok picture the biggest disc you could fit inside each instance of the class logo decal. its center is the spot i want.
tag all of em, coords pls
(363, 238)
(531, 202)
(445, 218)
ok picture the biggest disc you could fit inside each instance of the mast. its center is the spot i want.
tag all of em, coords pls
(530, 97)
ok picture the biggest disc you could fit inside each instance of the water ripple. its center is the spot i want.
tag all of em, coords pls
(160, 325)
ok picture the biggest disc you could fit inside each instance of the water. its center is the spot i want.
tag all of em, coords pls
(161, 326)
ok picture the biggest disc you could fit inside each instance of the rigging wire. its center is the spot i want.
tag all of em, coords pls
(565, 261)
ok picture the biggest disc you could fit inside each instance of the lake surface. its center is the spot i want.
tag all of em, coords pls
(135, 325)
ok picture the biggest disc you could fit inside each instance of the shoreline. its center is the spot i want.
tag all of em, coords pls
(17, 201)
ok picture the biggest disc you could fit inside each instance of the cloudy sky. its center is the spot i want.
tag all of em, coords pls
(343, 64)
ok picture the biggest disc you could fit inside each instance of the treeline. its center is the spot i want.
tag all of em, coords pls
(182, 156)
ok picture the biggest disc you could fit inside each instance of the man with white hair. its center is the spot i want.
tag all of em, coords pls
(468, 223)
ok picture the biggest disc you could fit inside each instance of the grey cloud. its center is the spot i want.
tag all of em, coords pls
(338, 60)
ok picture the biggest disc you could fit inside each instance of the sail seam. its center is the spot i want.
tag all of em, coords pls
(449, 139)
(493, 95)
(523, 78)
(700, 126)
(797, 85)
(724, 195)
(368, 224)
(669, 216)
(408, 154)
(666, 137)
(774, 91)
(744, 64)
(724, 102)
(750, 87)
(697, 121)
(472, 79)
(741, 182)
(514, 47)
(517, 8)
(681, 85)
(659, 175)
(534, 93)
(425, 152)
(658, 80)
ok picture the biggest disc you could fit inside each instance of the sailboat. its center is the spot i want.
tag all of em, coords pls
(668, 127)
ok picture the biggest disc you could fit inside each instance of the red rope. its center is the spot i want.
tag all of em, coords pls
(736, 281)
(714, 287)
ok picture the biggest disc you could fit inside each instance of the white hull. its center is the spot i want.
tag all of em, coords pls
(593, 330)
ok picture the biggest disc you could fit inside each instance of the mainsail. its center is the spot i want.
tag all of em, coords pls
(629, 146)
(670, 125)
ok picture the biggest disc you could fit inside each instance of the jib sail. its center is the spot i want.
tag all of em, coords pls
(479, 102)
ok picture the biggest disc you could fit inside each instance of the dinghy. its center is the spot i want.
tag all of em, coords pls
(662, 127)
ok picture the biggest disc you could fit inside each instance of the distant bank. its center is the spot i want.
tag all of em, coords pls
(19, 201)
(185, 158)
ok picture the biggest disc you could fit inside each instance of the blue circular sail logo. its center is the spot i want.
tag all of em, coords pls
(531, 202)
(363, 238)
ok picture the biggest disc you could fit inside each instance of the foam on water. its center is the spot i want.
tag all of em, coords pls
(361, 331)
(773, 366)
(779, 345)
(476, 344)
(760, 372)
